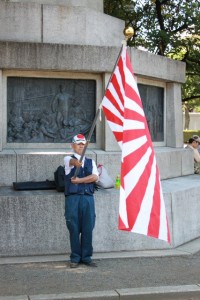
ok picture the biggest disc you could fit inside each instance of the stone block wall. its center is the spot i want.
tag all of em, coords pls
(31, 165)
(48, 60)
(59, 24)
(92, 4)
(33, 223)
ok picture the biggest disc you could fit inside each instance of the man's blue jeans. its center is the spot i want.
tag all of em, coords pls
(80, 220)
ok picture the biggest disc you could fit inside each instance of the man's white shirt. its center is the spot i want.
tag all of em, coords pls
(68, 167)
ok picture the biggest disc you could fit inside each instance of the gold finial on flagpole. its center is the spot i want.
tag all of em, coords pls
(128, 32)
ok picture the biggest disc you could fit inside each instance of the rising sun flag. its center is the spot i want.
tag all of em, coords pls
(142, 208)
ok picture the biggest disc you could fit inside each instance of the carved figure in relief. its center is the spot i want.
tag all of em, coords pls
(60, 105)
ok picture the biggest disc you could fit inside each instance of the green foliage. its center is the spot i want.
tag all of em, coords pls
(165, 27)
(189, 52)
(157, 24)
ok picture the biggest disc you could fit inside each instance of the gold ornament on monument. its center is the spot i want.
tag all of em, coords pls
(128, 32)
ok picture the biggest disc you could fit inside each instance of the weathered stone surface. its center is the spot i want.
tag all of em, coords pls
(8, 167)
(69, 22)
(80, 26)
(20, 22)
(92, 4)
(174, 118)
(32, 222)
(37, 165)
(46, 56)
(183, 292)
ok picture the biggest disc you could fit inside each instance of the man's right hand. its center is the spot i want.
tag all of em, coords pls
(75, 162)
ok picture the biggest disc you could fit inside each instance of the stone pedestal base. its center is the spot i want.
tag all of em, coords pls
(33, 223)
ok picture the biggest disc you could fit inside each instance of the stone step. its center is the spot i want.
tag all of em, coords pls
(32, 222)
(39, 165)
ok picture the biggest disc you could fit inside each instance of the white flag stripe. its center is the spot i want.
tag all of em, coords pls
(112, 109)
(132, 124)
(132, 105)
(115, 127)
(122, 207)
(133, 145)
(143, 217)
(115, 96)
(133, 176)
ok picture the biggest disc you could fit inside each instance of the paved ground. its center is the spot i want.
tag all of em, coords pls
(52, 275)
(111, 274)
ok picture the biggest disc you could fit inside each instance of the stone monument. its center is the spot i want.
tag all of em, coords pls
(56, 58)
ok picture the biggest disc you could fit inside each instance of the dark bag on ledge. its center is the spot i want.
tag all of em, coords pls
(59, 177)
(34, 185)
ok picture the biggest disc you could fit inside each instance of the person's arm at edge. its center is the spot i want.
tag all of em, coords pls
(196, 156)
(87, 179)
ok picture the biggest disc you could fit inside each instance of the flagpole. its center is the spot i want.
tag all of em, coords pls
(128, 33)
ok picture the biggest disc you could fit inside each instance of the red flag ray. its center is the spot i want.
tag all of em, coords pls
(134, 206)
(143, 217)
(138, 134)
(141, 207)
(113, 101)
(117, 87)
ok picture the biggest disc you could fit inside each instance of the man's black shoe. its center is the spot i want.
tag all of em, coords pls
(90, 264)
(74, 265)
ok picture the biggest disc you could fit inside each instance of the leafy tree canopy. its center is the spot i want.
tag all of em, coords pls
(165, 27)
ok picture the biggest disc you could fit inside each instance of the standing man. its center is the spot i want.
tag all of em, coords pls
(79, 203)
(60, 106)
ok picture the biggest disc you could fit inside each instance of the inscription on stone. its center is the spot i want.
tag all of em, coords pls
(46, 110)
(153, 102)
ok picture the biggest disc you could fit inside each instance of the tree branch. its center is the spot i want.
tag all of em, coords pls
(164, 2)
(192, 74)
(192, 60)
(191, 98)
(159, 14)
(184, 26)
